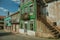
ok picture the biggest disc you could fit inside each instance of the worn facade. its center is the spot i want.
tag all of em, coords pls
(28, 18)
(11, 23)
(15, 22)
(36, 18)
(7, 24)
(2, 22)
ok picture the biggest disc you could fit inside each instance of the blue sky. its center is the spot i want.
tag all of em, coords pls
(8, 5)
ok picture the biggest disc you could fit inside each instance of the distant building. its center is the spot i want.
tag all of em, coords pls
(7, 23)
(15, 22)
(12, 23)
(2, 22)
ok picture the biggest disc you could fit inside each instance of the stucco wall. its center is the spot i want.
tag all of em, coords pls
(54, 11)
(42, 30)
(15, 21)
(16, 17)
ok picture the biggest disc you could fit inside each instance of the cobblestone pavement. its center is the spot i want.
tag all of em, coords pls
(9, 36)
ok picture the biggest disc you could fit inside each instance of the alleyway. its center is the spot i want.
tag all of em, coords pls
(9, 36)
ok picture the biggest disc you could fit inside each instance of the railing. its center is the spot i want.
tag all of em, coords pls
(56, 27)
(51, 23)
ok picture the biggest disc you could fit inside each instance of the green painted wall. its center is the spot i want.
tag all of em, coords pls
(8, 21)
(32, 15)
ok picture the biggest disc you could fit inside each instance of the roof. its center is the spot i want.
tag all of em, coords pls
(15, 13)
(1, 17)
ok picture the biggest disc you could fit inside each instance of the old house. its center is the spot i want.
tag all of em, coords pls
(7, 24)
(28, 17)
(15, 22)
(37, 18)
(11, 23)
(2, 22)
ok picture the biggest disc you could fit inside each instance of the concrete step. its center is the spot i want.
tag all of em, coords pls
(54, 30)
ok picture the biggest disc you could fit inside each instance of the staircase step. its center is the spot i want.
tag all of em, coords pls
(53, 30)
(57, 36)
(56, 32)
(50, 28)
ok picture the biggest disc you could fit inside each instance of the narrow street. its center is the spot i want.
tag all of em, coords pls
(29, 20)
(8, 36)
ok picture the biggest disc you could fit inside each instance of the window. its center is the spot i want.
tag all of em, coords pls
(25, 26)
(21, 25)
(44, 11)
(25, 29)
(31, 25)
(31, 8)
(26, 10)
(23, 10)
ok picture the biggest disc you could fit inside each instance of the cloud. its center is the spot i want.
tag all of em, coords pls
(3, 9)
(17, 1)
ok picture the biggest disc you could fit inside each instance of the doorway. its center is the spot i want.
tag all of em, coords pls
(25, 27)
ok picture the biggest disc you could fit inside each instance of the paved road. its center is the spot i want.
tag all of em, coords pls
(9, 36)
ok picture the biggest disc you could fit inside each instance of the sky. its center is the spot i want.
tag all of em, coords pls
(8, 5)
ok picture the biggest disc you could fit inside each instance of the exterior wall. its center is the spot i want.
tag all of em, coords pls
(1, 24)
(54, 12)
(7, 24)
(15, 28)
(15, 23)
(26, 8)
(15, 17)
(42, 30)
